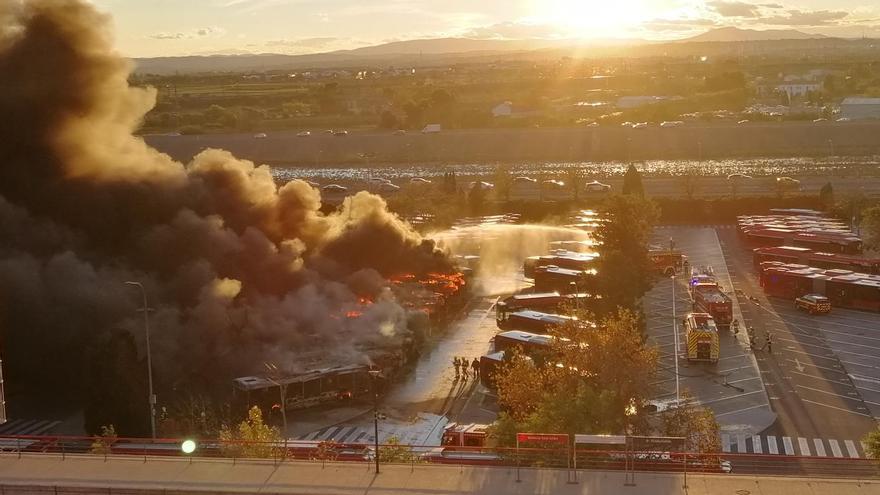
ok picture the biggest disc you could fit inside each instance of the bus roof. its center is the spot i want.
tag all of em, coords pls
(543, 317)
(526, 337)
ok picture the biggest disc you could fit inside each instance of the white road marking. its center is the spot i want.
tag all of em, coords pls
(829, 393)
(851, 449)
(743, 409)
(789, 448)
(835, 448)
(772, 446)
(837, 408)
(820, 447)
(756, 444)
(804, 446)
(740, 443)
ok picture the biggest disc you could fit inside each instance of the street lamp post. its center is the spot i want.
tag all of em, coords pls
(675, 334)
(275, 379)
(152, 396)
(374, 374)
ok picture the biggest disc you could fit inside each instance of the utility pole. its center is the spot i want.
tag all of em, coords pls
(152, 397)
(374, 374)
(675, 333)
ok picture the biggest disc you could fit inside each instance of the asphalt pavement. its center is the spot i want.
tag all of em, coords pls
(820, 370)
(731, 388)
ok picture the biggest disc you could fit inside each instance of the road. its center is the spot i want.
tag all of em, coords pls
(698, 141)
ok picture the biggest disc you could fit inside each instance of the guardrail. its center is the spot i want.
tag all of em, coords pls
(331, 452)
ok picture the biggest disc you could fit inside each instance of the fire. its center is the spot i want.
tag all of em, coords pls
(354, 314)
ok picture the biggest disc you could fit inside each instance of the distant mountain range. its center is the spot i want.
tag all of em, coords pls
(733, 34)
(451, 50)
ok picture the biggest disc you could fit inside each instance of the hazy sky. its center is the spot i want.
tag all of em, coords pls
(178, 27)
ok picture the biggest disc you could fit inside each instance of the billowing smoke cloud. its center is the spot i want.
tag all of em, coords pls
(238, 270)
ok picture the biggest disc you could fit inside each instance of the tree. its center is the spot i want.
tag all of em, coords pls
(625, 270)
(103, 443)
(575, 178)
(632, 182)
(695, 423)
(826, 196)
(388, 120)
(872, 443)
(690, 183)
(870, 227)
(251, 438)
(477, 198)
(393, 451)
(502, 181)
(597, 381)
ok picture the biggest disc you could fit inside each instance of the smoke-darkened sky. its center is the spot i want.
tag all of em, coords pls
(172, 27)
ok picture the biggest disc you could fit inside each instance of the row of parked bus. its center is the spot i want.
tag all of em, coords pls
(828, 271)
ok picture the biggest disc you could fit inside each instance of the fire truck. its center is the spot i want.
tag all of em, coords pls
(701, 337)
(707, 296)
(464, 435)
(668, 261)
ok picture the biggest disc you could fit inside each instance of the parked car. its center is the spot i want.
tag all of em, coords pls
(813, 304)
(334, 189)
(419, 180)
(738, 176)
(743, 121)
(672, 123)
(399, 132)
(303, 134)
(260, 135)
(819, 120)
(340, 133)
(787, 183)
(596, 186)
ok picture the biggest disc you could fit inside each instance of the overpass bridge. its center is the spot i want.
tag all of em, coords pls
(37, 474)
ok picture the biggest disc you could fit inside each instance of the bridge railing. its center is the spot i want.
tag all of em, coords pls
(418, 455)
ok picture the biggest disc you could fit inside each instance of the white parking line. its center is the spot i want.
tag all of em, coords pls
(829, 393)
(804, 446)
(742, 410)
(851, 449)
(837, 408)
(741, 443)
(713, 401)
(789, 448)
(835, 448)
(756, 444)
(820, 447)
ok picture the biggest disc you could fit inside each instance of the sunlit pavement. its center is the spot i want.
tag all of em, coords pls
(732, 388)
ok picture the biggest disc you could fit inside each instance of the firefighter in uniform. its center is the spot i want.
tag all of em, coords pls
(456, 363)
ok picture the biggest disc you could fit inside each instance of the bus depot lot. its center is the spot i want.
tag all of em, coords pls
(732, 387)
(823, 374)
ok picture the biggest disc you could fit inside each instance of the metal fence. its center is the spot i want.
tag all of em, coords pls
(575, 460)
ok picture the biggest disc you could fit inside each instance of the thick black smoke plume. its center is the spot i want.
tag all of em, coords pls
(238, 270)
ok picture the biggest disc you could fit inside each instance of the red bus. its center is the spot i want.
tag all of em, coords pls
(565, 281)
(804, 256)
(826, 241)
(530, 343)
(844, 288)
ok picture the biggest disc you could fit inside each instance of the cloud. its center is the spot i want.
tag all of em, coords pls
(679, 24)
(806, 18)
(195, 33)
(734, 8)
(513, 30)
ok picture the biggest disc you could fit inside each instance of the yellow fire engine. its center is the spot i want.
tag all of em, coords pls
(701, 336)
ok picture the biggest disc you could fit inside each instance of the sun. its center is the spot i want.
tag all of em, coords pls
(590, 18)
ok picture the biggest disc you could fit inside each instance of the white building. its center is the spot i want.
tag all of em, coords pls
(503, 110)
(799, 89)
(860, 108)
